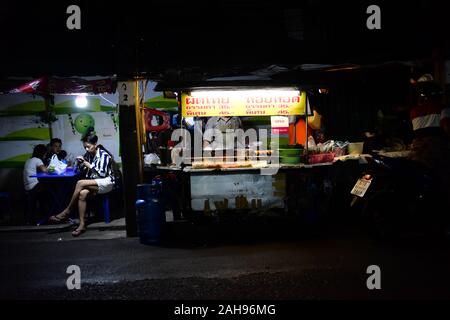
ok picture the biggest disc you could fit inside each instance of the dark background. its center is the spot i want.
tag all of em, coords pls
(188, 41)
(215, 36)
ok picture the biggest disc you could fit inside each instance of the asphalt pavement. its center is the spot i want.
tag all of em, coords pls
(229, 262)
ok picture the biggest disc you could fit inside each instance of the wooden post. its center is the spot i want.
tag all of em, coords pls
(131, 150)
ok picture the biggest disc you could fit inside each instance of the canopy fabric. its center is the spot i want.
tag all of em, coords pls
(56, 85)
(159, 102)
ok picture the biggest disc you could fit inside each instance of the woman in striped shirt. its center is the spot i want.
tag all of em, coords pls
(97, 163)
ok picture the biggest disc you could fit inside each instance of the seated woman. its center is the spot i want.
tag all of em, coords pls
(98, 167)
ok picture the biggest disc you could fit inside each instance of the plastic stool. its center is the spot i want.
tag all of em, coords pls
(7, 197)
(105, 205)
(103, 200)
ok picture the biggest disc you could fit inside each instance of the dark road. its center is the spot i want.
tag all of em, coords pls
(329, 265)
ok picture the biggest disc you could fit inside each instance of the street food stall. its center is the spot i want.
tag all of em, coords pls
(233, 149)
(238, 167)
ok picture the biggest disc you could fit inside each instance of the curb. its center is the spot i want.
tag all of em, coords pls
(54, 228)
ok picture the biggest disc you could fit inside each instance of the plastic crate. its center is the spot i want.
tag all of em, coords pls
(321, 158)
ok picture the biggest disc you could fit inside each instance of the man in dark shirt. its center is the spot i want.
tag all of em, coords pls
(55, 148)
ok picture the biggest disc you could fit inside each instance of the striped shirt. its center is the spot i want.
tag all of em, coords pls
(425, 116)
(101, 165)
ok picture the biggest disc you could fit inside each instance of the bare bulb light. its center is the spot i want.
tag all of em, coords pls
(81, 101)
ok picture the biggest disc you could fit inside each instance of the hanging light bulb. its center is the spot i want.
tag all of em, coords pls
(81, 101)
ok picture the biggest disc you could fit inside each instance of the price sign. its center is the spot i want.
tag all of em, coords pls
(360, 188)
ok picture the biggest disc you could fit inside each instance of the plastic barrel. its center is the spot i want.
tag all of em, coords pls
(150, 214)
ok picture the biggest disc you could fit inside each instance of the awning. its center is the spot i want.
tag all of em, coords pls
(57, 85)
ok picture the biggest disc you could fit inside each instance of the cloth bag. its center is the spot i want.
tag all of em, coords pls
(60, 167)
(315, 121)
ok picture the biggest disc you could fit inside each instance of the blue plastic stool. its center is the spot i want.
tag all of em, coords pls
(103, 200)
(7, 197)
(105, 205)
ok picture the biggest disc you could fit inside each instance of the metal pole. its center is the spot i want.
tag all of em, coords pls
(295, 131)
(306, 125)
(48, 110)
(139, 130)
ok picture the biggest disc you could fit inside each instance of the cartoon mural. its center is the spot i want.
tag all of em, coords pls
(71, 131)
(21, 128)
(24, 123)
(83, 122)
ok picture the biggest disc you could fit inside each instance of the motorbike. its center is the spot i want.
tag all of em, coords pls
(399, 198)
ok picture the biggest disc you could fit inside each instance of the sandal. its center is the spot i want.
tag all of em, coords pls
(55, 219)
(78, 232)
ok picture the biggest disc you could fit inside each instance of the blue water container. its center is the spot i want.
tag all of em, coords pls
(150, 213)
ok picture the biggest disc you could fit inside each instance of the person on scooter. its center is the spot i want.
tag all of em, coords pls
(428, 144)
(445, 122)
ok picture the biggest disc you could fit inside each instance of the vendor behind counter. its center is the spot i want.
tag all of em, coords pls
(222, 124)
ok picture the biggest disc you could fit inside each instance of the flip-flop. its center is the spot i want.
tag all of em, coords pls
(55, 219)
(78, 232)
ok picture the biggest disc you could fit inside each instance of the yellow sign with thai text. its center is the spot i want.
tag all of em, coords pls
(243, 103)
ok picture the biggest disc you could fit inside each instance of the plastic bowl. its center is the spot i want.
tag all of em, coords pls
(289, 152)
(290, 160)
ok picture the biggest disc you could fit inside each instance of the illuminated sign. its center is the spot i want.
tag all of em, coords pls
(243, 103)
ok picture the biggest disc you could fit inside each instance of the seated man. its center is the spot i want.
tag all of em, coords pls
(55, 148)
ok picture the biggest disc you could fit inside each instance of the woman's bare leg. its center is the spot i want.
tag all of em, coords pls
(81, 184)
(84, 194)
